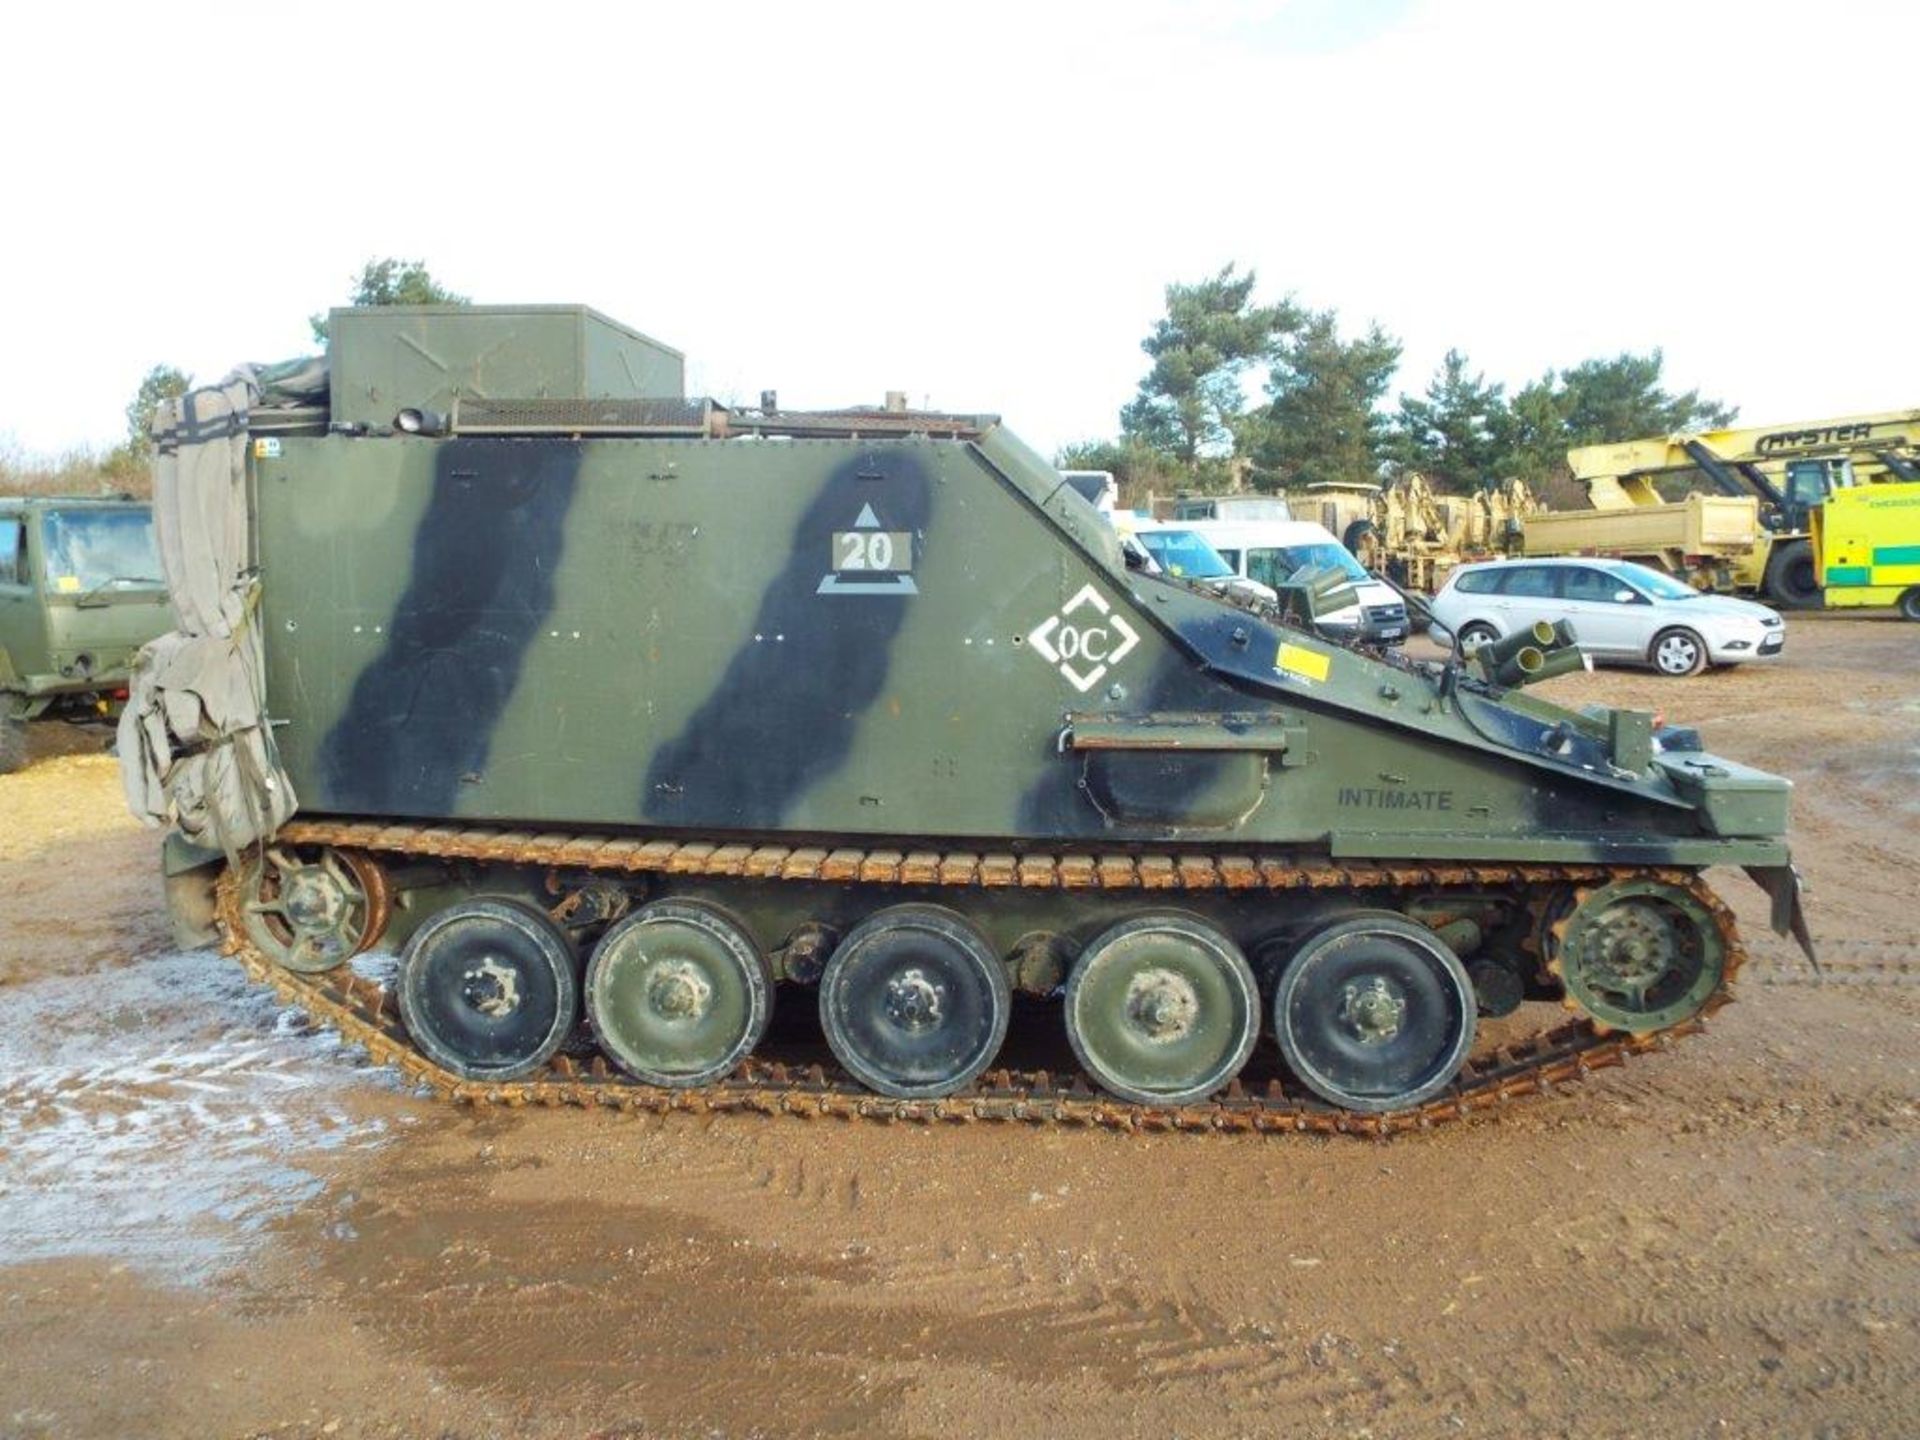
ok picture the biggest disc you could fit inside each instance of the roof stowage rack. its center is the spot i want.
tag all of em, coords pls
(571, 416)
(674, 418)
(860, 424)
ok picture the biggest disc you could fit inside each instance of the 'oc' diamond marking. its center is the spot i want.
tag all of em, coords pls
(1084, 649)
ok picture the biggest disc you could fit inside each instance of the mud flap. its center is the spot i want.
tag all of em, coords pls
(1782, 884)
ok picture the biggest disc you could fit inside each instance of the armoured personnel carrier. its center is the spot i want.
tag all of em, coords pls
(628, 719)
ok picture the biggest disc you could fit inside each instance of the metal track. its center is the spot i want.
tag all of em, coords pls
(366, 1015)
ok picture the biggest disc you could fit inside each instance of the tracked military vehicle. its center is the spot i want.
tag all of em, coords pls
(738, 758)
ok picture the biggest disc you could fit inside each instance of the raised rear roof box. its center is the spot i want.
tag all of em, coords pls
(386, 358)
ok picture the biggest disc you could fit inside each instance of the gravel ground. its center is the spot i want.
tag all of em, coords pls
(214, 1222)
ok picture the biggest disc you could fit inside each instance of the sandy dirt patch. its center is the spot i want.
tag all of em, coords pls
(216, 1222)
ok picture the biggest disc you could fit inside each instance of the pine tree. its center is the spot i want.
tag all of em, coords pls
(1622, 399)
(1598, 401)
(1191, 399)
(1461, 435)
(1322, 420)
(392, 282)
(161, 383)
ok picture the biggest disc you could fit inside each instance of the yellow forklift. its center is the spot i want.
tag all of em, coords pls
(1789, 472)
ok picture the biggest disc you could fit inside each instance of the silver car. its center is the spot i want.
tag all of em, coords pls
(1621, 611)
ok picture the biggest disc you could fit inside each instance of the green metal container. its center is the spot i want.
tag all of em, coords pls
(387, 358)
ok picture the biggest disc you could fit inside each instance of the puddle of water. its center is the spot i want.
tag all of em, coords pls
(163, 1113)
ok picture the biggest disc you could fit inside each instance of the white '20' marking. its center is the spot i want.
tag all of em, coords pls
(865, 550)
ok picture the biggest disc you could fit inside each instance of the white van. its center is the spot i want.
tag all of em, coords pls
(1180, 551)
(1272, 551)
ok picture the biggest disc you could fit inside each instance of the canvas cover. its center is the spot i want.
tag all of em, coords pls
(195, 749)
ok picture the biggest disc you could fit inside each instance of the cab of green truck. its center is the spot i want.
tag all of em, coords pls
(80, 592)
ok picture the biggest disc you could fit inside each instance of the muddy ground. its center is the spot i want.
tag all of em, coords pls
(213, 1222)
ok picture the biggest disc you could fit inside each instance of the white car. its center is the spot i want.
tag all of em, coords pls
(1271, 552)
(1619, 610)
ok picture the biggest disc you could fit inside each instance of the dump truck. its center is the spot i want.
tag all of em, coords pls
(80, 593)
(1707, 540)
(626, 717)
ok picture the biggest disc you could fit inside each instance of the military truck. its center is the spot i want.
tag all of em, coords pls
(1231, 507)
(1414, 536)
(627, 717)
(80, 593)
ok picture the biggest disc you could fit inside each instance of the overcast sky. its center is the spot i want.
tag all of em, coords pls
(976, 203)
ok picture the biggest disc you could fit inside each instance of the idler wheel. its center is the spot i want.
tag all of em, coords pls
(1374, 1013)
(678, 993)
(915, 1002)
(309, 912)
(1638, 955)
(488, 989)
(1162, 1009)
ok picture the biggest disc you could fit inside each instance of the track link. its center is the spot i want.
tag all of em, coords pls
(365, 1013)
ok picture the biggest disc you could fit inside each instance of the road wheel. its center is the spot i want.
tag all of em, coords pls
(1909, 604)
(1162, 1009)
(1374, 1013)
(13, 743)
(915, 1002)
(678, 993)
(1793, 580)
(1678, 652)
(488, 989)
(1473, 636)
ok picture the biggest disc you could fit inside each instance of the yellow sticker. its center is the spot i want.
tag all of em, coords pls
(67, 584)
(1307, 664)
